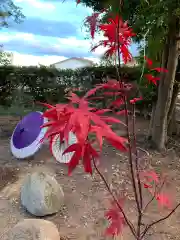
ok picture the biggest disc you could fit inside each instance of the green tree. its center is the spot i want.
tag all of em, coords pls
(107, 61)
(5, 57)
(9, 11)
(161, 19)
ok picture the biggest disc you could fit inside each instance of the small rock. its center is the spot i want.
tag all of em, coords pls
(34, 229)
(41, 194)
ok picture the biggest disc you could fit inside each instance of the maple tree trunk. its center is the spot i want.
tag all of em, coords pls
(165, 90)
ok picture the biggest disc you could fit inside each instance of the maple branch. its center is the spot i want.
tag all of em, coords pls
(126, 117)
(138, 202)
(137, 175)
(154, 195)
(115, 199)
(119, 59)
(143, 150)
(158, 221)
(131, 161)
(136, 157)
(150, 201)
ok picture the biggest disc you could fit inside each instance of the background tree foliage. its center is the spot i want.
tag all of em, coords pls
(160, 21)
(28, 84)
(142, 16)
(9, 12)
(5, 57)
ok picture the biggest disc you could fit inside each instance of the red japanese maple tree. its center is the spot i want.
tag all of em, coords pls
(83, 119)
(117, 38)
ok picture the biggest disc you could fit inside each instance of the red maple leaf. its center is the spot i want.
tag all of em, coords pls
(117, 88)
(123, 112)
(151, 78)
(149, 62)
(85, 152)
(160, 69)
(77, 149)
(111, 93)
(111, 119)
(116, 219)
(111, 30)
(92, 91)
(147, 185)
(116, 141)
(99, 134)
(102, 111)
(157, 69)
(126, 55)
(90, 154)
(78, 117)
(164, 200)
(116, 38)
(118, 102)
(150, 176)
(134, 100)
(93, 22)
(111, 85)
(151, 179)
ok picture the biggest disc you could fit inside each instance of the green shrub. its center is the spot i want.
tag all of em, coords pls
(21, 86)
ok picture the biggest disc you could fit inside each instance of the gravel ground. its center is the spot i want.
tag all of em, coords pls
(86, 197)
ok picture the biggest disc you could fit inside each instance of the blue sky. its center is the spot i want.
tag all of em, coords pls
(52, 31)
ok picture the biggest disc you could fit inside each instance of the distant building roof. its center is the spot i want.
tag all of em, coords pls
(131, 63)
(75, 58)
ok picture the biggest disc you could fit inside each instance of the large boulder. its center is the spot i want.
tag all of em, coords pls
(41, 194)
(34, 229)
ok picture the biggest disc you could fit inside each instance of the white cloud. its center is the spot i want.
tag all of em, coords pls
(37, 4)
(73, 41)
(60, 45)
(87, 44)
(31, 60)
(6, 37)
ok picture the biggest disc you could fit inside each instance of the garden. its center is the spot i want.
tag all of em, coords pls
(122, 181)
(86, 198)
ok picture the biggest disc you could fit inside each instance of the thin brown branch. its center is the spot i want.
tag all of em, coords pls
(131, 161)
(115, 199)
(137, 175)
(158, 221)
(150, 201)
(136, 158)
(143, 150)
(126, 118)
(154, 195)
(127, 123)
